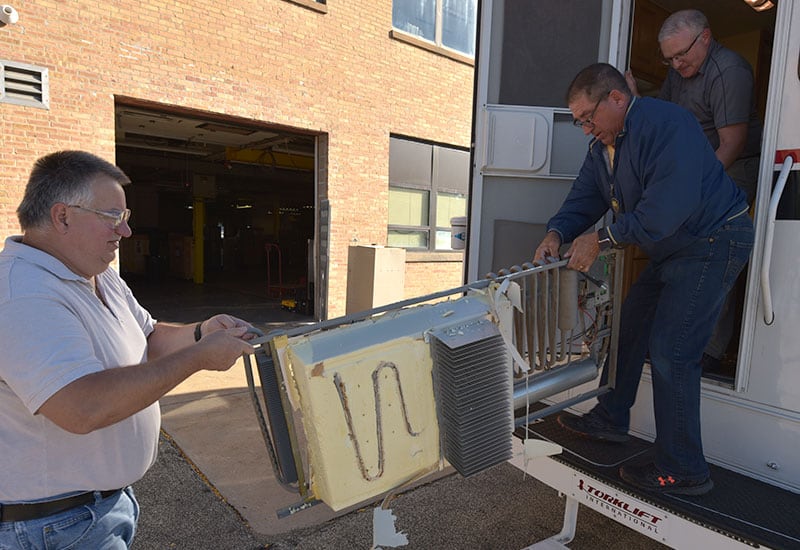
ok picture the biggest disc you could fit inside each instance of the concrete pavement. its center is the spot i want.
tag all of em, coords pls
(213, 488)
(211, 418)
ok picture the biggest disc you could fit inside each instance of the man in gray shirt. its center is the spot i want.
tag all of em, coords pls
(716, 85)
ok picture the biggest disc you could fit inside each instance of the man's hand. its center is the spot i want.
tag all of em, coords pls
(631, 81)
(222, 347)
(224, 322)
(583, 252)
(547, 249)
(168, 338)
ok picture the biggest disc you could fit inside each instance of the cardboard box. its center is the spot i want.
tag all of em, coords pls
(375, 276)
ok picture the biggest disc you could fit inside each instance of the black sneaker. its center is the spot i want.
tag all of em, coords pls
(591, 426)
(649, 478)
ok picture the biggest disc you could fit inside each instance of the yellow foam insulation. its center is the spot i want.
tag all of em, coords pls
(350, 461)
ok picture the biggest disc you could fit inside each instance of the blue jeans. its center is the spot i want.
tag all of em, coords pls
(671, 311)
(108, 523)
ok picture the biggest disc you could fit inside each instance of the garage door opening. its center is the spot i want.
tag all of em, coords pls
(218, 201)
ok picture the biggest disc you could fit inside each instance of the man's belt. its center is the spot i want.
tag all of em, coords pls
(26, 512)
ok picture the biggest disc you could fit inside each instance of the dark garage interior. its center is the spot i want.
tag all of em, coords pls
(249, 188)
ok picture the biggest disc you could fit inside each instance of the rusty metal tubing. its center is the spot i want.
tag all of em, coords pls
(552, 312)
(528, 318)
(351, 432)
(541, 318)
(519, 316)
(546, 312)
(519, 329)
(532, 304)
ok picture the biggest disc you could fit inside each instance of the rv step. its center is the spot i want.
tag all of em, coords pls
(748, 509)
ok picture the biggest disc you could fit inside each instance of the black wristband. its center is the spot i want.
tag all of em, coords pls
(198, 332)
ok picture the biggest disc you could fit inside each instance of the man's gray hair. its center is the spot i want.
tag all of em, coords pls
(595, 80)
(693, 20)
(62, 177)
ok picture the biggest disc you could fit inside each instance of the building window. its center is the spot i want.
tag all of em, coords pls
(448, 206)
(446, 23)
(428, 185)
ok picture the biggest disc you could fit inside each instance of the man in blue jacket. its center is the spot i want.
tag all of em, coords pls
(651, 164)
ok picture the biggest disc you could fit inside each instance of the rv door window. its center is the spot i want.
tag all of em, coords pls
(789, 207)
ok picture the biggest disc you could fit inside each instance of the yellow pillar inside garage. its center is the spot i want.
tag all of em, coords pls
(199, 221)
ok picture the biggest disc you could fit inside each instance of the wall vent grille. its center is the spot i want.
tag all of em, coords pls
(24, 84)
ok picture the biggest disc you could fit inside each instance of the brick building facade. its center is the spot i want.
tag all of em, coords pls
(336, 72)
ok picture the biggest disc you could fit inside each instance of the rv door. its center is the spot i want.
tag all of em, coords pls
(772, 376)
(526, 150)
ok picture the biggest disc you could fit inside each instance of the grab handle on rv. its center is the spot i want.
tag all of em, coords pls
(769, 313)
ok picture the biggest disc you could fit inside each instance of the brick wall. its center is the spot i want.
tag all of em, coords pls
(338, 73)
(427, 277)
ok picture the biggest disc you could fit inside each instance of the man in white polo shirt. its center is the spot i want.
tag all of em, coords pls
(82, 364)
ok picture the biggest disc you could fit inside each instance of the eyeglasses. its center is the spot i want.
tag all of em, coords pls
(680, 55)
(115, 217)
(588, 122)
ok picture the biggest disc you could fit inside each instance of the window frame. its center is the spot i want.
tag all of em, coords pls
(316, 5)
(436, 44)
(433, 190)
